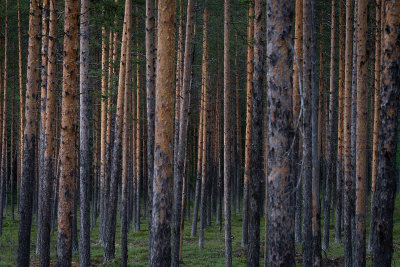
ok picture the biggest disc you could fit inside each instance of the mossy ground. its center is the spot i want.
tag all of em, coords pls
(211, 255)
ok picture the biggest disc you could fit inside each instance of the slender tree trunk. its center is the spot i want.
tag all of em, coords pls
(339, 159)
(219, 140)
(28, 166)
(138, 134)
(84, 135)
(47, 178)
(256, 153)
(68, 134)
(307, 135)
(361, 135)
(249, 106)
(297, 78)
(347, 200)
(279, 177)
(109, 250)
(330, 151)
(227, 137)
(385, 188)
(124, 197)
(150, 92)
(377, 100)
(21, 108)
(164, 134)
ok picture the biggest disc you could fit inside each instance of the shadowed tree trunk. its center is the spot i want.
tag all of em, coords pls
(28, 165)
(347, 200)
(382, 246)
(164, 134)
(47, 189)
(68, 134)
(150, 102)
(249, 106)
(227, 137)
(361, 135)
(182, 133)
(330, 151)
(280, 180)
(297, 78)
(21, 109)
(84, 135)
(256, 165)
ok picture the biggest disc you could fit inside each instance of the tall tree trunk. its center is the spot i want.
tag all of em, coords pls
(297, 78)
(339, 158)
(42, 110)
(109, 250)
(21, 108)
(249, 106)
(164, 134)
(347, 200)
(206, 128)
(361, 134)
(68, 134)
(125, 125)
(329, 150)
(47, 178)
(84, 135)
(307, 132)
(28, 165)
(256, 165)
(382, 246)
(227, 137)
(138, 134)
(377, 100)
(279, 177)
(150, 102)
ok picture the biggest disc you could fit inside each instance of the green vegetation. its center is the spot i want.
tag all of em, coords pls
(211, 255)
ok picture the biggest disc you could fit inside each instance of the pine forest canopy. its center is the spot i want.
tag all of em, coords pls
(265, 127)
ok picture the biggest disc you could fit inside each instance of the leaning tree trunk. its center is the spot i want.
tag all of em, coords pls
(382, 246)
(68, 134)
(84, 136)
(28, 165)
(256, 165)
(280, 179)
(361, 135)
(164, 134)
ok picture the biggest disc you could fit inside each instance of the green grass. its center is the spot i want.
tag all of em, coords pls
(211, 255)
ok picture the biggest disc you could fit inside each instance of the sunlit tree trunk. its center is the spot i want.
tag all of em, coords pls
(164, 134)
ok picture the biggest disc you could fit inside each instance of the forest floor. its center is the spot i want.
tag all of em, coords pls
(211, 255)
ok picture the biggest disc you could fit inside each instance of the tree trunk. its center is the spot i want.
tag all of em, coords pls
(206, 128)
(84, 135)
(21, 109)
(297, 78)
(68, 134)
(279, 177)
(347, 200)
(307, 132)
(164, 134)
(28, 166)
(109, 250)
(382, 246)
(256, 153)
(377, 100)
(249, 106)
(361, 134)
(227, 137)
(150, 102)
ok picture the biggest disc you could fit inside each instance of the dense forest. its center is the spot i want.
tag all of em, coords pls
(199, 133)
